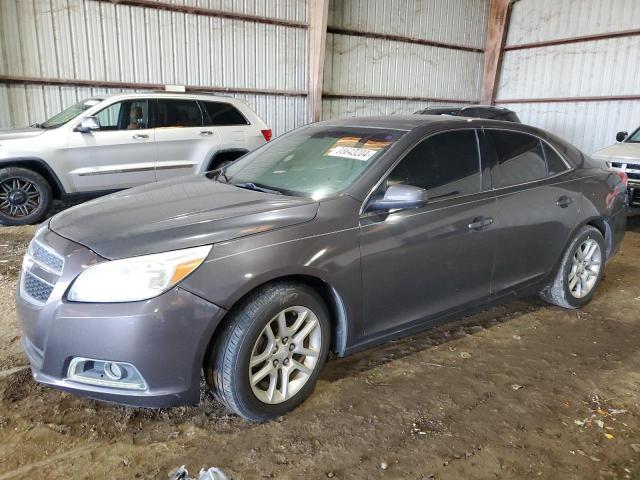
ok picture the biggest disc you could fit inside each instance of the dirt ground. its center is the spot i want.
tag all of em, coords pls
(521, 391)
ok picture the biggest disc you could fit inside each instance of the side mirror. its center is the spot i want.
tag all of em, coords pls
(400, 196)
(88, 124)
(620, 136)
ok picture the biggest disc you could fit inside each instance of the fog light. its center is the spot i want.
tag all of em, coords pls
(113, 371)
(105, 373)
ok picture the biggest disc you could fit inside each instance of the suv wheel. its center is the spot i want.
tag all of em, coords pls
(25, 196)
(580, 271)
(269, 357)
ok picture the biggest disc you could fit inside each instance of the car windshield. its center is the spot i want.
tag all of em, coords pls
(314, 161)
(69, 114)
(634, 137)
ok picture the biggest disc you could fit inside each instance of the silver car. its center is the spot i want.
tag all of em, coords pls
(113, 142)
(624, 157)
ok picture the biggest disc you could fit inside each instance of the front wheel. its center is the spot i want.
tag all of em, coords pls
(25, 196)
(268, 359)
(580, 270)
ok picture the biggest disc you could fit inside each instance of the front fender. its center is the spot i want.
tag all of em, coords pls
(322, 249)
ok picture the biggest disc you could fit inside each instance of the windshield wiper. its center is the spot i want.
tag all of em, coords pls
(257, 188)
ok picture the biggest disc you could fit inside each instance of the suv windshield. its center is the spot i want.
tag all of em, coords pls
(313, 161)
(70, 113)
(634, 137)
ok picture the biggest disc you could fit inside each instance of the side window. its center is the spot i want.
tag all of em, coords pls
(555, 164)
(519, 158)
(220, 114)
(446, 165)
(126, 115)
(178, 113)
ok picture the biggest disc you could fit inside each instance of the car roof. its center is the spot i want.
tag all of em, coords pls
(397, 122)
(430, 122)
(461, 108)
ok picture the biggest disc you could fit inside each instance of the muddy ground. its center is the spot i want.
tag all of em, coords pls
(521, 391)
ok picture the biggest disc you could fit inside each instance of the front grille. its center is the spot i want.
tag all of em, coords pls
(46, 257)
(634, 197)
(633, 175)
(36, 288)
(41, 270)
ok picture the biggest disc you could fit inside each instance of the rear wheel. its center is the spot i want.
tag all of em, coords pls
(580, 270)
(268, 359)
(25, 196)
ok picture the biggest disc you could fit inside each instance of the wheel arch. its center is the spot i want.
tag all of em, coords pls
(603, 227)
(39, 166)
(329, 294)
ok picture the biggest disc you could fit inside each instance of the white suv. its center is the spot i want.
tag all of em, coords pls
(113, 142)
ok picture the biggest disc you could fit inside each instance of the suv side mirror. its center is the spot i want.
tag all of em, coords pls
(400, 196)
(88, 124)
(620, 136)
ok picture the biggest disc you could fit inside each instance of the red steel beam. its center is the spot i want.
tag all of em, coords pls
(144, 86)
(400, 38)
(584, 38)
(209, 12)
(604, 98)
(363, 96)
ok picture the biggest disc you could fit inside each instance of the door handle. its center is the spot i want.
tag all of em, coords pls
(140, 136)
(206, 133)
(564, 201)
(479, 223)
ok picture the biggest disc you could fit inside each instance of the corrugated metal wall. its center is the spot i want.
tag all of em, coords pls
(387, 67)
(102, 41)
(607, 67)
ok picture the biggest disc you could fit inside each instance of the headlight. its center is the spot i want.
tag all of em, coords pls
(137, 278)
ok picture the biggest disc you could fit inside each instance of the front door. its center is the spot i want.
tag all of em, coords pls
(118, 155)
(424, 262)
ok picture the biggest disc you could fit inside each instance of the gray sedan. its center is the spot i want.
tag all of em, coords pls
(337, 236)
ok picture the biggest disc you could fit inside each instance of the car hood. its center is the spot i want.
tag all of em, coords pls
(619, 151)
(11, 133)
(178, 213)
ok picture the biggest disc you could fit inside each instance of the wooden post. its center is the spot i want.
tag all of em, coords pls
(318, 12)
(497, 28)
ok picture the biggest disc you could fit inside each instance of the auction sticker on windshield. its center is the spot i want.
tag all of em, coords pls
(356, 148)
(354, 153)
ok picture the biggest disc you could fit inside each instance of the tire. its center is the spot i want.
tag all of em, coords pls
(564, 291)
(227, 366)
(25, 196)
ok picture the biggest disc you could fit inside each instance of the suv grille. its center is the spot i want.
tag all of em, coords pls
(634, 196)
(33, 287)
(36, 288)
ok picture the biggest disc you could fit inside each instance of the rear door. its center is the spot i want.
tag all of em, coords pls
(119, 155)
(419, 263)
(234, 130)
(183, 143)
(538, 202)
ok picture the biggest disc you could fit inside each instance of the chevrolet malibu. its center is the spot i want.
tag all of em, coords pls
(335, 237)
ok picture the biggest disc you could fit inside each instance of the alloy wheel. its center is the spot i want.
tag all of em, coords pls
(285, 355)
(19, 197)
(585, 268)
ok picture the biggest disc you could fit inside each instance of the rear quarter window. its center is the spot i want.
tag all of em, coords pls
(222, 113)
(555, 164)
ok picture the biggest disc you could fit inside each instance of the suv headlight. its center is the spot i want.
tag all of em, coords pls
(137, 278)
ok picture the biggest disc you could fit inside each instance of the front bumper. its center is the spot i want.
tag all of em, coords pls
(165, 338)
